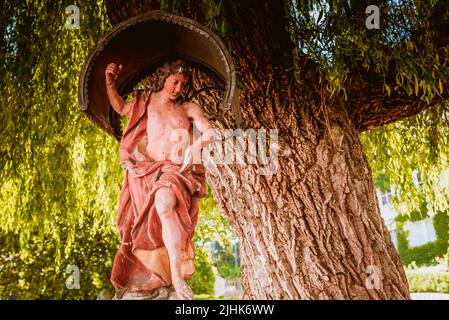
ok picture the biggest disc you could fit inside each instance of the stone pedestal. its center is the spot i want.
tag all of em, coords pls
(163, 293)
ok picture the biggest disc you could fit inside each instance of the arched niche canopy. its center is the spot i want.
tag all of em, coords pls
(140, 44)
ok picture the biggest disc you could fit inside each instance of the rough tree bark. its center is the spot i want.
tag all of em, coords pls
(312, 230)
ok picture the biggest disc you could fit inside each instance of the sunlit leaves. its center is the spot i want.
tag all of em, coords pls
(400, 150)
(59, 173)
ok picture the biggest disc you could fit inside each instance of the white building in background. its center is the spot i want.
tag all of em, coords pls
(420, 232)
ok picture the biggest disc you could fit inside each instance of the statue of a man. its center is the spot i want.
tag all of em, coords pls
(158, 208)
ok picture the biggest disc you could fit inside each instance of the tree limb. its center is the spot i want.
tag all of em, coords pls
(371, 106)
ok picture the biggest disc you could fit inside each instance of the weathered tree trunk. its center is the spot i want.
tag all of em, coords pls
(312, 230)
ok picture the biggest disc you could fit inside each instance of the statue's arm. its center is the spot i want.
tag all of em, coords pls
(199, 119)
(111, 75)
(196, 115)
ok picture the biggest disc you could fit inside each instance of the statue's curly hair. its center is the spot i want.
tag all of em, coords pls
(169, 68)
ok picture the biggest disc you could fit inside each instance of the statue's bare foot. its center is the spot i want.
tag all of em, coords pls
(183, 291)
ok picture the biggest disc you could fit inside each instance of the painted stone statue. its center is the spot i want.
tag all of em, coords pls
(158, 208)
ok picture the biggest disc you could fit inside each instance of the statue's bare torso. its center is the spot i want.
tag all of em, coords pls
(168, 129)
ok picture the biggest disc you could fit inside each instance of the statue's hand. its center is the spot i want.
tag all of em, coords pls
(188, 159)
(112, 72)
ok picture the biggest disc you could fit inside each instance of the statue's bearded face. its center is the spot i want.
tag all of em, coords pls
(174, 85)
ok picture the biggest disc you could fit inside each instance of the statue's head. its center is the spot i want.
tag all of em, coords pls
(173, 78)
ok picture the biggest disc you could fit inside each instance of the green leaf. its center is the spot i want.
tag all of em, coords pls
(387, 87)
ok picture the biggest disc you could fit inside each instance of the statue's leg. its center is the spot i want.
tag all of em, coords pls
(165, 202)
